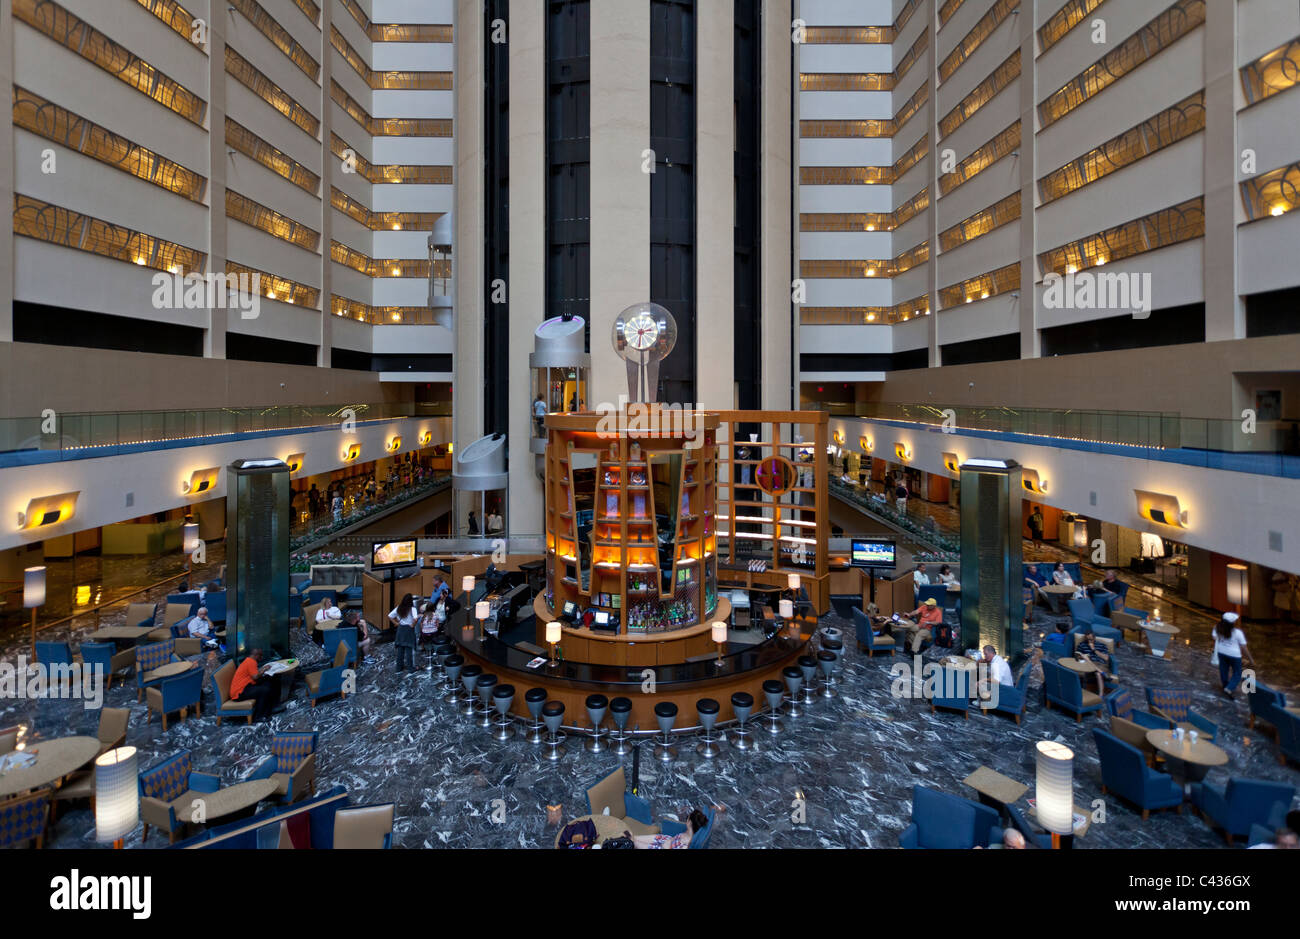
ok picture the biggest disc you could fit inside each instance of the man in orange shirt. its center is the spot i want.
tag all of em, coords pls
(248, 684)
(926, 616)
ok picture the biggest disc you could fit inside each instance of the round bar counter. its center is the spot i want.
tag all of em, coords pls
(637, 649)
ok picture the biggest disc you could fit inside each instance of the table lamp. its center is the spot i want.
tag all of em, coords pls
(34, 595)
(786, 608)
(553, 637)
(482, 610)
(467, 584)
(793, 582)
(1054, 789)
(720, 637)
(117, 795)
(189, 544)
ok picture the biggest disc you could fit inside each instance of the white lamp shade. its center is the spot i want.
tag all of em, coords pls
(793, 581)
(1080, 534)
(190, 537)
(1238, 584)
(117, 794)
(467, 583)
(553, 632)
(34, 587)
(719, 632)
(1054, 787)
(482, 609)
(787, 608)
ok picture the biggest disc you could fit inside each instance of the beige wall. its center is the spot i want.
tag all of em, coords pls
(468, 271)
(6, 178)
(777, 220)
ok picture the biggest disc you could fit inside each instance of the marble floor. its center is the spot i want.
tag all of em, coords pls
(852, 759)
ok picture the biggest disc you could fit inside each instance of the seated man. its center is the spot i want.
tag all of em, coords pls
(202, 628)
(249, 684)
(1106, 587)
(1086, 649)
(365, 642)
(998, 671)
(928, 616)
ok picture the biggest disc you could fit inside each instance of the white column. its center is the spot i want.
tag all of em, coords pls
(1225, 313)
(214, 339)
(467, 257)
(7, 261)
(1030, 343)
(777, 216)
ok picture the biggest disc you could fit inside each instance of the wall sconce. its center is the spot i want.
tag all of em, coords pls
(394, 445)
(901, 451)
(351, 452)
(201, 481)
(1160, 508)
(426, 438)
(295, 462)
(49, 510)
(952, 462)
(866, 443)
(839, 437)
(1238, 585)
(1030, 479)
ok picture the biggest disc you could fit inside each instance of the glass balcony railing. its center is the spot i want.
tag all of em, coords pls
(85, 436)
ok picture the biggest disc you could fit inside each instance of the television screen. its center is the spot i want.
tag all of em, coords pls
(602, 618)
(874, 553)
(385, 555)
(570, 609)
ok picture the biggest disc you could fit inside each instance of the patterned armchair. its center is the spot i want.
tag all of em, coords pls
(292, 764)
(1131, 725)
(867, 639)
(23, 818)
(104, 656)
(226, 707)
(175, 694)
(148, 658)
(1177, 707)
(167, 788)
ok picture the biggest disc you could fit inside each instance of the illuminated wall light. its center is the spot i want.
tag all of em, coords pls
(1071, 269)
(1160, 508)
(1030, 479)
(395, 444)
(426, 438)
(901, 451)
(839, 437)
(1101, 260)
(871, 317)
(952, 462)
(351, 452)
(201, 481)
(1279, 209)
(866, 443)
(984, 295)
(295, 460)
(49, 510)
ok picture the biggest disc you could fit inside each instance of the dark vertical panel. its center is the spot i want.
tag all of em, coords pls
(748, 269)
(568, 159)
(672, 186)
(496, 221)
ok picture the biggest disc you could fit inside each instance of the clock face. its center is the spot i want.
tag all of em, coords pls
(640, 332)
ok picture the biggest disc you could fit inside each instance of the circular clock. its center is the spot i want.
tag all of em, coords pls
(644, 334)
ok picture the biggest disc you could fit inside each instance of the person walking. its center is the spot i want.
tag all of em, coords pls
(900, 496)
(1230, 649)
(539, 415)
(403, 617)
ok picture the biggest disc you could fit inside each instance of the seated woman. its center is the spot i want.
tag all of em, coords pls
(696, 821)
(946, 576)
(1061, 577)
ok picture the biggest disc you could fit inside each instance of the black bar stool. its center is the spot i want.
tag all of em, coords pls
(486, 685)
(665, 715)
(793, 682)
(553, 715)
(808, 666)
(597, 705)
(468, 679)
(774, 694)
(827, 662)
(707, 709)
(452, 668)
(535, 699)
(620, 709)
(504, 696)
(440, 653)
(836, 648)
(742, 704)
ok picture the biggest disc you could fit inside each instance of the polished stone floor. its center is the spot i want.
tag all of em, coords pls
(852, 759)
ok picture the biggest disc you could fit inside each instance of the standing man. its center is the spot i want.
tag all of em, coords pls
(313, 501)
(900, 496)
(539, 415)
(1036, 525)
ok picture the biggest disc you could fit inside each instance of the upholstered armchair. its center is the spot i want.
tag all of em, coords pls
(1082, 614)
(953, 690)
(329, 681)
(941, 820)
(149, 657)
(1064, 688)
(1288, 736)
(104, 656)
(1265, 703)
(610, 796)
(141, 614)
(1124, 771)
(1177, 707)
(1131, 725)
(867, 639)
(81, 785)
(1240, 804)
(23, 818)
(57, 654)
(292, 764)
(345, 635)
(1013, 699)
(364, 827)
(168, 788)
(186, 644)
(175, 694)
(699, 840)
(226, 707)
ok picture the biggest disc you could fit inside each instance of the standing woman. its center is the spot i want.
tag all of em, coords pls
(403, 617)
(1230, 648)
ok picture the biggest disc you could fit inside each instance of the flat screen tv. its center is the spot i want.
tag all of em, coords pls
(389, 555)
(874, 553)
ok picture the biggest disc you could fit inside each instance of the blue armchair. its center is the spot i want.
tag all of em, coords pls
(699, 840)
(1022, 825)
(953, 690)
(316, 594)
(345, 635)
(174, 694)
(1288, 736)
(939, 594)
(189, 597)
(1012, 700)
(1177, 707)
(1064, 688)
(105, 657)
(610, 795)
(941, 820)
(1240, 804)
(54, 653)
(867, 639)
(328, 681)
(215, 601)
(149, 657)
(330, 822)
(293, 761)
(167, 788)
(1082, 614)
(1125, 772)
(1265, 703)
(1056, 645)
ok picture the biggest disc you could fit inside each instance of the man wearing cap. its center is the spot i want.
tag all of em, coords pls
(926, 616)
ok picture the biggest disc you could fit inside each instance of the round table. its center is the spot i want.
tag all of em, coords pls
(229, 800)
(169, 670)
(1158, 635)
(1079, 668)
(1058, 592)
(1197, 758)
(54, 760)
(607, 827)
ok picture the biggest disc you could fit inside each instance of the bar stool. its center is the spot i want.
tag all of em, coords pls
(503, 697)
(774, 694)
(665, 715)
(486, 685)
(827, 662)
(440, 653)
(742, 705)
(468, 679)
(808, 666)
(837, 647)
(620, 709)
(553, 715)
(451, 669)
(535, 698)
(793, 682)
(597, 705)
(707, 710)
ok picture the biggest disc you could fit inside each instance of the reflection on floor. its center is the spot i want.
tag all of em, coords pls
(854, 758)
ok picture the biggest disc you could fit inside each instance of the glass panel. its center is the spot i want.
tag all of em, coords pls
(666, 478)
(584, 472)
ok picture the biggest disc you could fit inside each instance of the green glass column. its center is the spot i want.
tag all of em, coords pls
(257, 557)
(992, 575)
